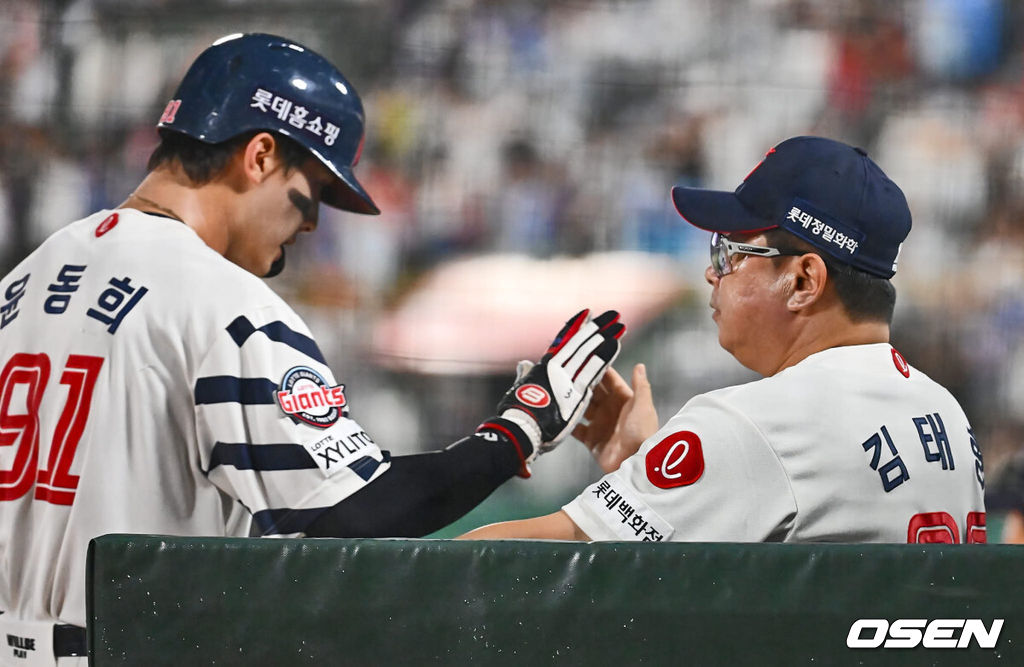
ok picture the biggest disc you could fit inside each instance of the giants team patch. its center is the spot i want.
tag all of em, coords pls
(306, 397)
(678, 460)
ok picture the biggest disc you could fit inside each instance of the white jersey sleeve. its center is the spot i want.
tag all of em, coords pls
(273, 425)
(686, 479)
(850, 445)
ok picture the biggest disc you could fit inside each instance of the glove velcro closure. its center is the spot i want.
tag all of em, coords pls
(514, 431)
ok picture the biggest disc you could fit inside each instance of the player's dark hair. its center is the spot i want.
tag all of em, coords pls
(864, 296)
(202, 161)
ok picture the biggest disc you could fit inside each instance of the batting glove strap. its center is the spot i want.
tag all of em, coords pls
(521, 431)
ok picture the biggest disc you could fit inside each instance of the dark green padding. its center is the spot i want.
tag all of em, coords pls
(157, 600)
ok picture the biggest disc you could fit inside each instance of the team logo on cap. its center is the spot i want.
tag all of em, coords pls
(678, 460)
(533, 395)
(170, 112)
(306, 397)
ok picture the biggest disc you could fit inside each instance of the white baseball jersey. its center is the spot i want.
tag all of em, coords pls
(850, 445)
(148, 385)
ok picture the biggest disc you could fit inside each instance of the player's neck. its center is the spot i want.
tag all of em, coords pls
(150, 206)
(171, 194)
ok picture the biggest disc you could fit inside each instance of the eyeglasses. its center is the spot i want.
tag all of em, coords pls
(722, 250)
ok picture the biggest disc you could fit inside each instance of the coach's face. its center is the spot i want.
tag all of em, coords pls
(749, 307)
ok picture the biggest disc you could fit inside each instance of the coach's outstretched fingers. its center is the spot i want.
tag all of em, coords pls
(602, 415)
(636, 419)
(640, 417)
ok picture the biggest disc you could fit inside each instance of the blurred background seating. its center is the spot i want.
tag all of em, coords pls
(519, 142)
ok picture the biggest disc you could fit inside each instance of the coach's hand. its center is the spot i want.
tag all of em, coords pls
(548, 398)
(618, 419)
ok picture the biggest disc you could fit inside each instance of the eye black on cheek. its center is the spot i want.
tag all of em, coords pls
(307, 207)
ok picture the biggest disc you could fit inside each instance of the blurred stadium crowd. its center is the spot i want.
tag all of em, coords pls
(557, 128)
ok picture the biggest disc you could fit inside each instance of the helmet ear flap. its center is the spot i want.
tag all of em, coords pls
(258, 81)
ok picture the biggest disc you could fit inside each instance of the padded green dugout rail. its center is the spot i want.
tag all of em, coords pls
(157, 600)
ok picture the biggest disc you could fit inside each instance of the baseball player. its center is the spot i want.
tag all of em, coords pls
(842, 440)
(150, 382)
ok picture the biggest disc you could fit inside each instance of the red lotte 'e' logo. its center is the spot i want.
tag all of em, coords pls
(533, 395)
(901, 364)
(678, 460)
(108, 223)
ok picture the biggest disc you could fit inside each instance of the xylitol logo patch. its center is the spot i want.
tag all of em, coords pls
(912, 632)
(306, 397)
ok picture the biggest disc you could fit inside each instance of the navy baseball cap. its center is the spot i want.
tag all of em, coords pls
(830, 194)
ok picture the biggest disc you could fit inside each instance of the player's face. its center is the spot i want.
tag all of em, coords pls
(288, 203)
(749, 307)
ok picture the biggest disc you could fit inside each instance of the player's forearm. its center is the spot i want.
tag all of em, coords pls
(422, 493)
(556, 526)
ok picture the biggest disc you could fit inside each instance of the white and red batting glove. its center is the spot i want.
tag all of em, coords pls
(548, 398)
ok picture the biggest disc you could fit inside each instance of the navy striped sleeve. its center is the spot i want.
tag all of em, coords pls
(245, 456)
(230, 389)
(286, 521)
(367, 465)
(241, 329)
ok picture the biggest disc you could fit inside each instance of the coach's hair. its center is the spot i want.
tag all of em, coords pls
(864, 296)
(202, 162)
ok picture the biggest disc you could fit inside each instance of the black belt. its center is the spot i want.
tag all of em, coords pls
(68, 641)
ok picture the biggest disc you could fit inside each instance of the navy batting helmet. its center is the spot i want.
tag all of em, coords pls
(264, 82)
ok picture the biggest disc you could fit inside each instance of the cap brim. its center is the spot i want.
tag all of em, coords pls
(348, 194)
(717, 211)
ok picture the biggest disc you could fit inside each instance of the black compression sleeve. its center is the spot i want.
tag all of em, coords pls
(422, 493)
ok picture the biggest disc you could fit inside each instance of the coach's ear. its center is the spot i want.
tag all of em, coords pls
(809, 276)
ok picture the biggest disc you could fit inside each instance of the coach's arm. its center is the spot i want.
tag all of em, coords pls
(556, 526)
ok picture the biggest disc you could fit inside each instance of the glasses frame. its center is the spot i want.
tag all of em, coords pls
(722, 250)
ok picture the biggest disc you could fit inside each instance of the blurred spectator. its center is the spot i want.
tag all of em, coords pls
(527, 207)
(558, 127)
(870, 61)
(959, 39)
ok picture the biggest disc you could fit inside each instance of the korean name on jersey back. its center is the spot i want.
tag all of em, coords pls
(306, 397)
